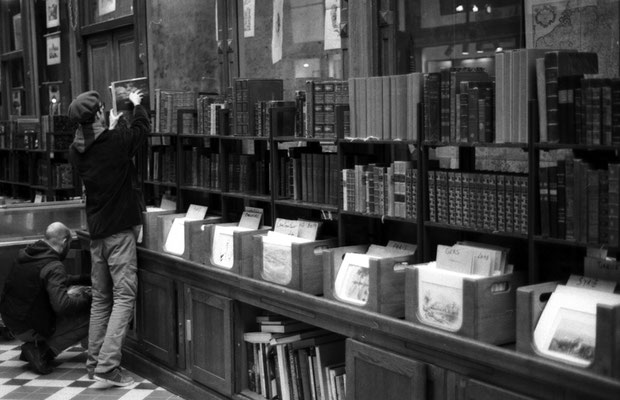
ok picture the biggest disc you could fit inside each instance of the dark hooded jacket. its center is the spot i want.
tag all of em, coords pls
(35, 291)
(114, 201)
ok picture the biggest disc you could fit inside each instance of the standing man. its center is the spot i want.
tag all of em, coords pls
(37, 303)
(102, 157)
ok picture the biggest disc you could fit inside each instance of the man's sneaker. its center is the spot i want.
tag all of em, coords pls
(114, 377)
(91, 373)
(33, 355)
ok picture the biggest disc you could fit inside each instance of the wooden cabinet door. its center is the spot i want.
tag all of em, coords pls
(373, 373)
(208, 333)
(470, 389)
(157, 331)
(111, 57)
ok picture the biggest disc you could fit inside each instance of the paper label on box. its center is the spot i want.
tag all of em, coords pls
(168, 204)
(287, 226)
(602, 268)
(222, 249)
(591, 283)
(308, 229)
(440, 298)
(352, 281)
(196, 212)
(402, 246)
(251, 218)
(455, 259)
(175, 241)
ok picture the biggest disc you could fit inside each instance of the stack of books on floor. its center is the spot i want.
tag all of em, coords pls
(290, 360)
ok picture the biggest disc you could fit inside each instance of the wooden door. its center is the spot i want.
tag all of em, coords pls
(157, 331)
(111, 57)
(373, 373)
(209, 339)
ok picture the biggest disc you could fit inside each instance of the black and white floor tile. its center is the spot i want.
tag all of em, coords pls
(68, 381)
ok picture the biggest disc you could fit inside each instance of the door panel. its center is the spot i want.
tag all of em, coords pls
(210, 339)
(111, 57)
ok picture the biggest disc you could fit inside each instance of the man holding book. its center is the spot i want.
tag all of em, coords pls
(103, 158)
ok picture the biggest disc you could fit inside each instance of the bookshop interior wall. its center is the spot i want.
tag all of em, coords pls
(347, 199)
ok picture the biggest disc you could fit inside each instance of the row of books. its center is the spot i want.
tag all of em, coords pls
(202, 169)
(573, 109)
(207, 120)
(490, 201)
(588, 111)
(322, 97)
(290, 360)
(309, 177)
(458, 105)
(246, 93)
(580, 202)
(61, 174)
(389, 190)
(167, 105)
(247, 173)
(161, 164)
(385, 107)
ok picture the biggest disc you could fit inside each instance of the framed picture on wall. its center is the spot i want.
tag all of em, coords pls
(576, 25)
(106, 6)
(52, 46)
(52, 13)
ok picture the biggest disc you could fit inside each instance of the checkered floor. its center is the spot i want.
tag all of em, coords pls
(68, 381)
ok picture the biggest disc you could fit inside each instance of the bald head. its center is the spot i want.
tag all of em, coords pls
(58, 236)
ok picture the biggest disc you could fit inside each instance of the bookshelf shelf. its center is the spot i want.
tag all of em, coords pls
(303, 139)
(377, 217)
(241, 137)
(12, 55)
(586, 147)
(157, 183)
(475, 144)
(371, 140)
(305, 204)
(563, 242)
(240, 195)
(200, 189)
(438, 225)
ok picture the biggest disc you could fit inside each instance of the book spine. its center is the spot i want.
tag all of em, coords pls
(551, 89)
(615, 111)
(613, 188)
(603, 207)
(432, 197)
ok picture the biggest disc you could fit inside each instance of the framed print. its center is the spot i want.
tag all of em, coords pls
(578, 25)
(52, 14)
(52, 45)
(106, 6)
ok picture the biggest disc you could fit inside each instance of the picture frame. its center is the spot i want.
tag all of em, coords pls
(106, 6)
(52, 13)
(575, 25)
(52, 49)
(120, 93)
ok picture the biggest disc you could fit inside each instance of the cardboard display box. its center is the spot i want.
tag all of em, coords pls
(385, 285)
(531, 301)
(300, 266)
(485, 306)
(242, 251)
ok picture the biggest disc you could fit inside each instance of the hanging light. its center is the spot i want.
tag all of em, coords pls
(474, 8)
(459, 8)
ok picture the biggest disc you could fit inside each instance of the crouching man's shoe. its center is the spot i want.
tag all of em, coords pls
(35, 358)
(115, 377)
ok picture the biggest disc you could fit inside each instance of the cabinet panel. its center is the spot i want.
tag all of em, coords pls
(157, 316)
(470, 389)
(373, 373)
(209, 337)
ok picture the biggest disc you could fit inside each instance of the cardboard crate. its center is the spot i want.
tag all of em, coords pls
(531, 301)
(243, 250)
(164, 224)
(386, 287)
(306, 270)
(150, 233)
(488, 306)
